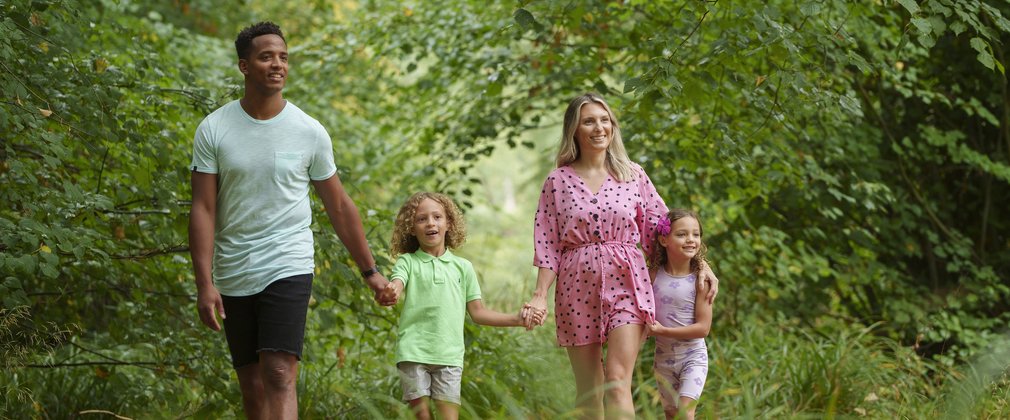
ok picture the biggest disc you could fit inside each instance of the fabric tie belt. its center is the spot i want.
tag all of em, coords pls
(588, 244)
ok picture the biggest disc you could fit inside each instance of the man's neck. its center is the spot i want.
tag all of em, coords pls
(262, 107)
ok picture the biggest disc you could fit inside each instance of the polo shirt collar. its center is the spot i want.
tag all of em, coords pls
(426, 257)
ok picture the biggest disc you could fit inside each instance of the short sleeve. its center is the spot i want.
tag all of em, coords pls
(322, 166)
(401, 270)
(652, 208)
(204, 150)
(546, 231)
(470, 284)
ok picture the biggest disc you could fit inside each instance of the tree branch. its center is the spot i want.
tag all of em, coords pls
(153, 252)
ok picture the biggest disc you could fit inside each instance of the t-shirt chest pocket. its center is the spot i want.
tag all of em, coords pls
(288, 164)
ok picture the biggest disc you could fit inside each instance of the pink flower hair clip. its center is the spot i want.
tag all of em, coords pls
(663, 226)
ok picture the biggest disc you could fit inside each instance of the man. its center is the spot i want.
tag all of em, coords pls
(253, 161)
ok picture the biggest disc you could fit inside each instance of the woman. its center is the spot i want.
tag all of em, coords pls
(595, 209)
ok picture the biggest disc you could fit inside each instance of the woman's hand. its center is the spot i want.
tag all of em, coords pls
(709, 277)
(534, 312)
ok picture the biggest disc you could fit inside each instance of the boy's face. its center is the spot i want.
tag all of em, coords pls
(430, 224)
(266, 67)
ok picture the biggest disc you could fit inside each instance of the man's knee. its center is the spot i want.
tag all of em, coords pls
(278, 370)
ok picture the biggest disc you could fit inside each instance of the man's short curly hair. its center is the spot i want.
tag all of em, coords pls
(243, 43)
(404, 241)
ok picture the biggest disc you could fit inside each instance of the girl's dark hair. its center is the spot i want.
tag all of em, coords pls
(243, 43)
(658, 257)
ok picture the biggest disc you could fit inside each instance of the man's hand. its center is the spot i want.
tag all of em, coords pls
(391, 294)
(378, 283)
(209, 304)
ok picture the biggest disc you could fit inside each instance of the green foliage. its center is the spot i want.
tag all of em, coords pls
(780, 371)
(851, 160)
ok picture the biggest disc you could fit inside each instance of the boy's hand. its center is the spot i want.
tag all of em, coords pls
(389, 295)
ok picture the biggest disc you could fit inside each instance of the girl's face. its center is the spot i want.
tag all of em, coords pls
(430, 224)
(684, 240)
(594, 130)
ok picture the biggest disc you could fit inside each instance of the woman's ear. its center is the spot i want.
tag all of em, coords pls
(663, 240)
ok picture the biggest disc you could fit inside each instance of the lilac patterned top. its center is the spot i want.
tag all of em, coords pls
(591, 242)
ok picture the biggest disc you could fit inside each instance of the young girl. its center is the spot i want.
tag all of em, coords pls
(440, 289)
(683, 314)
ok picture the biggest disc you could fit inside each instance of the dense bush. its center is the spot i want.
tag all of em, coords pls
(850, 161)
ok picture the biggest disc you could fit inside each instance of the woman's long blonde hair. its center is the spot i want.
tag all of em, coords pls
(404, 241)
(617, 161)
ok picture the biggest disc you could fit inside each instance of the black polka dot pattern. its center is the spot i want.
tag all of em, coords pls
(591, 241)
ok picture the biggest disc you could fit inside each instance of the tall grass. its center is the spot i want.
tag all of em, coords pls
(765, 371)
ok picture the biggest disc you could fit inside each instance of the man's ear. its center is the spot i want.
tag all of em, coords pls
(243, 66)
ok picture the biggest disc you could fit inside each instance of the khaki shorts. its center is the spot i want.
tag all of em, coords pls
(436, 381)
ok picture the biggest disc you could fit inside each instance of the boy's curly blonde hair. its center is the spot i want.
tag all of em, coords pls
(659, 258)
(404, 241)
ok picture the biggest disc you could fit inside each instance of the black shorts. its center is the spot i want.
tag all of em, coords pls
(271, 320)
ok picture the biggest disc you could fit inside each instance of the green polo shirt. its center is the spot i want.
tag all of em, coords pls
(436, 290)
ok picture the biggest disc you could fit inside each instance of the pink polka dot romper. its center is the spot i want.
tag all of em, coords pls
(590, 241)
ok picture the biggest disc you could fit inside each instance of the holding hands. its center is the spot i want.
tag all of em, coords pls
(387, 293)
(534, 313)
(390, 294)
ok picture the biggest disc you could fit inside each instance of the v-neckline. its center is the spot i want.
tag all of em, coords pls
(585, 184)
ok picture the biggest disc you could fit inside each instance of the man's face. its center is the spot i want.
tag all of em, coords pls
(266, 67)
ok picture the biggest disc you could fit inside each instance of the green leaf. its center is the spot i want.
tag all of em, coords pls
(525, 19)
(958, 27)
(633, 84)
(910, 5)
(978, 44)
(984, 55)
(922, 25)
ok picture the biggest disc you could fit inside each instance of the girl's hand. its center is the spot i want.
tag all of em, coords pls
(652, 329)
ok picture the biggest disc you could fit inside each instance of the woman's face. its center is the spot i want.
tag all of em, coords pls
(594, 130)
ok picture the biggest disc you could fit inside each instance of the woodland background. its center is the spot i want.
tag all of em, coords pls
(850, 160)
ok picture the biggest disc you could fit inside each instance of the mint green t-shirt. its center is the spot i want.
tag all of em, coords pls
(264, 168)
(436, 290)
